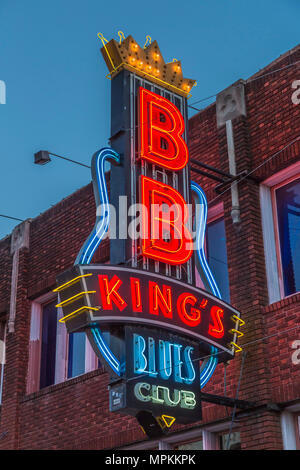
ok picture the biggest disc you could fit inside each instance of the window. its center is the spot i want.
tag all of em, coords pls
(76, 354)
(196, 445)
(48, 344)
(234, 441)
(290, 427)
(216, 251)
(2, 355)
(297, 426)
(194, 439)
(280, 216)
(55, 355)
(217, 255)
(286, 208)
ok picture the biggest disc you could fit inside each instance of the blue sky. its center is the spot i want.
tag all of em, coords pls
(59, 99)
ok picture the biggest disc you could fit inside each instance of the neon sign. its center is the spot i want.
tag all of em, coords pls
(162, 374)
(115, 294)
(171, 359)
(161, 127)
(143, 315)
(161, 395)
(177, 249)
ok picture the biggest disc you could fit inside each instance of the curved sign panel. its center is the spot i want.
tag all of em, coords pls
(103, 294)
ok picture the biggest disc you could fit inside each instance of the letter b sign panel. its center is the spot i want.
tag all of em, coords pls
(161, 128)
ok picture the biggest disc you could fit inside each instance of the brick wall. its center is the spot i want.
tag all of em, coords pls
(283, 373)
(5, 274)
(75, 414)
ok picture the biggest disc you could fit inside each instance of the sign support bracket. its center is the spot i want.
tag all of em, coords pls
(226, 401)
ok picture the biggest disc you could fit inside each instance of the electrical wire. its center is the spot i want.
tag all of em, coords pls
(70, 160)
(226, 190)
(236, 398)
(191, 106)
(254, 170)
(249, 80)
(127, 129)
(12, 218)
(221, 352)
(225, 384)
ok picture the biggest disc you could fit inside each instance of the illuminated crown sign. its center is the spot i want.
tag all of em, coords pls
(147, 62)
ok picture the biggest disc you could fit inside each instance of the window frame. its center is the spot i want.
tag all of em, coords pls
(225, 433)
(209, 434)
(62, 345)
(3, 319)
(290, 427)
(273, 189)
(214, 213)
(269, 227)
(189, 441)
(297, 429)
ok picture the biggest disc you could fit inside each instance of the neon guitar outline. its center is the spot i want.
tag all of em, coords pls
(93, 241)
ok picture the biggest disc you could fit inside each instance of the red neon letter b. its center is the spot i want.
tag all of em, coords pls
(161, 127)
(165, 236)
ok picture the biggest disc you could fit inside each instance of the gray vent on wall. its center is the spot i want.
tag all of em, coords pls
(230, 103)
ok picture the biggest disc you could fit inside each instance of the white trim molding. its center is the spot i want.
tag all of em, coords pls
(61, 353)
(269, 244)
(288, 431)
(269, 228)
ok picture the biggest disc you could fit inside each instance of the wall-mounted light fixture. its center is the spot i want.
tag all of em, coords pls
(43, 156)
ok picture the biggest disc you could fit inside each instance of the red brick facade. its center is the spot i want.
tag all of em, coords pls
(74, 414)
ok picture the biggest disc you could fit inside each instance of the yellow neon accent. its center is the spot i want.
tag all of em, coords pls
(74, 297)
(104, 42)
(238, 319)
(142, 429)
(76, 312)
(236, 346)
(151, 76)
(100, 35)
(168, 420)
(69, 283)
(121, 36)
(233, 331)
(148, 39)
